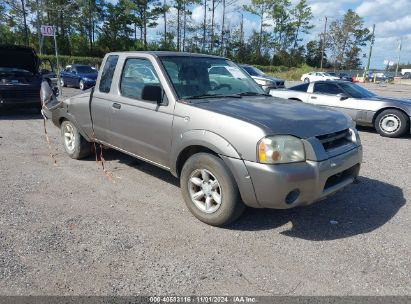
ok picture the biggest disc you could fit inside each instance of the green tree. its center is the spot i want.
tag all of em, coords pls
(314, 53)
(346, 37)
(260, 9)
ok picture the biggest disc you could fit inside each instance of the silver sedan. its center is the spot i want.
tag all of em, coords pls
(390, 117)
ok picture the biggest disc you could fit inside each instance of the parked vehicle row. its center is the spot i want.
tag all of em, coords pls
(21, 74)
(230, 144)
(78, 75)
(390, 117)
(316, 76)
(267, 82)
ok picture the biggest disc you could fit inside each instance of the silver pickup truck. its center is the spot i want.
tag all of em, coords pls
(230, 144)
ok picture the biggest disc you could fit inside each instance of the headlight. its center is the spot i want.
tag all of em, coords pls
(280, 149)
(268, 82)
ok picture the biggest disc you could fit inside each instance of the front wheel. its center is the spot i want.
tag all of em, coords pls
(391, 123)
(82, 85)
(210, 191)
(74, 144)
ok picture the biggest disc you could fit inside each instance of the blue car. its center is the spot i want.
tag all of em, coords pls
(79, 76)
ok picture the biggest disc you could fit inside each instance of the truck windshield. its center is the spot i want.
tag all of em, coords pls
(203, 77)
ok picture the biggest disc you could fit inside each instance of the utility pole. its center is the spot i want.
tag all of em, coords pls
(205, 24)
(370, 51)
(323, 44)
(399, 57)
(26, 33)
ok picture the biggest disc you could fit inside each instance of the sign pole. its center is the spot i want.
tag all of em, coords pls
(57, 60)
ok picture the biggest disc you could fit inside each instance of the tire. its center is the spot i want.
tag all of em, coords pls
(82, 85)
(307, 80)
(230, 207)
(62, 83)
(391, 123)
(74, 144)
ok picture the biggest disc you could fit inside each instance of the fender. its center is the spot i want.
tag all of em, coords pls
(203, 138)
(228, 154)
(61, 112)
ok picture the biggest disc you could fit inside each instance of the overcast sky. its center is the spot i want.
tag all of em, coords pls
(392, 19)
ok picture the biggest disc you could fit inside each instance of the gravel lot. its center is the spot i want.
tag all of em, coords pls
(66, 229)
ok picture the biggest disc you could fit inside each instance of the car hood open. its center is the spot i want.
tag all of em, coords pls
(19, 57)
(280, 116)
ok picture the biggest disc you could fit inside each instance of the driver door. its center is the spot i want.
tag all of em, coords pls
(326, 94)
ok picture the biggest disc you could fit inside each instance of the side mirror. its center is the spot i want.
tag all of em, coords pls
(152, 93)
(342, 96)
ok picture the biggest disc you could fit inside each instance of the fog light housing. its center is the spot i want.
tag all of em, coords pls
(292, 196)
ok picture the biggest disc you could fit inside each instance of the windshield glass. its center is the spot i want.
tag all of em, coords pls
(86, 70)
(253, 71)
(356, 91)
(197, 77)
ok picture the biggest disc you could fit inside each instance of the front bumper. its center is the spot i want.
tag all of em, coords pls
(289, 185)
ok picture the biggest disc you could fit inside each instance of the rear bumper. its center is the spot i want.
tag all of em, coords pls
(290, 185)
(24, 96)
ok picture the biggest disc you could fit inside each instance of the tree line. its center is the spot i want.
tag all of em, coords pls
(94, 27)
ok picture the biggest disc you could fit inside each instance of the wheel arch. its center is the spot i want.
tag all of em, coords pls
(67, 116)
(235, 166)
(195, 141)
(390, 108)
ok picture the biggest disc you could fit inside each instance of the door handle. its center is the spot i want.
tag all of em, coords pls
(116, 105)
(313, 97)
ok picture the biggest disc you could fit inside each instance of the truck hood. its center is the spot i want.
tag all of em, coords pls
(280, 116)
(19, 57)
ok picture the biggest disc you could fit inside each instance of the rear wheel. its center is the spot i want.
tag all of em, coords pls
(74, 144)
(391, 123)
(210, 191)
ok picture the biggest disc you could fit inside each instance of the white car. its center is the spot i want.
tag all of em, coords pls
(316, 76)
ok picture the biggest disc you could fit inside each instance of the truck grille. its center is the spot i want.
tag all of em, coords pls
(335, 140)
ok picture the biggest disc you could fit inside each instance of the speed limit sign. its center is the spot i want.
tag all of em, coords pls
(47, 30)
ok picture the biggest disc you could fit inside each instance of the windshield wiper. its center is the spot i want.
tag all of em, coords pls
(204, 96)
(253, 94)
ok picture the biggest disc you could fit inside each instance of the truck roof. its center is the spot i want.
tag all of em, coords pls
(167, 53)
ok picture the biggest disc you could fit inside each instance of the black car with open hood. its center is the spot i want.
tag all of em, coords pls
(20, 78)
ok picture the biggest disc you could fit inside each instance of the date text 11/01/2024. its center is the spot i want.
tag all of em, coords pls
(202, 299)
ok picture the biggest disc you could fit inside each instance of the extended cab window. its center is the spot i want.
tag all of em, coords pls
(107, 74)
(137, 74)
(327, 88)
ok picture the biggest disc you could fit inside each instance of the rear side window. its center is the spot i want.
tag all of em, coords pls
(107, 74)
(327, 88)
